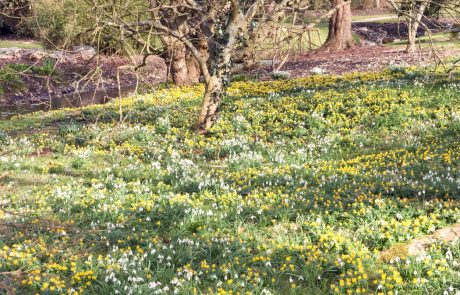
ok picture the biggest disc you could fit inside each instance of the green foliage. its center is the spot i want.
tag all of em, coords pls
(11, 75)
(65, 23)
(47, 68)
(280, 75)
(12, 13)
(242, 78)
(59, 23)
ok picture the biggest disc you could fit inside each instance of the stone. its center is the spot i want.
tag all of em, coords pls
(418, 246)
(60, 56)
(36, 55)
(84, 51)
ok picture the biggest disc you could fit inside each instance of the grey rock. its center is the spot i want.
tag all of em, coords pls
(84, 51)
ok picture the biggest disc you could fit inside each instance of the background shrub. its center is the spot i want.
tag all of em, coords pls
(11, 19)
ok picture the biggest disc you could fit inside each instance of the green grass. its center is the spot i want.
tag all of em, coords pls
(438, 41)
(19, 44)
(296, 190)
(381, 18)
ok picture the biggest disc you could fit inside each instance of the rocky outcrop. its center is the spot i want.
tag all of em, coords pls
(78, 53)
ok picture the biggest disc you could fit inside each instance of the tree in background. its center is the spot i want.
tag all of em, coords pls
(419, 12)
(413, 11)
(340, 36)
(12, 13)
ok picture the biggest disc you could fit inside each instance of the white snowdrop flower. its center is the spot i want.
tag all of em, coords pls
(449, 255)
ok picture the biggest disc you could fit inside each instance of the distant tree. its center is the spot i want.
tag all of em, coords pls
(419, 12)
(413, 11)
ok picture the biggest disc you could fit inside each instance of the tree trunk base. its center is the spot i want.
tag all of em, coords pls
(340, 36)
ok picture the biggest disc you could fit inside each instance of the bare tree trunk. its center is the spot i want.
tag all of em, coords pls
(193, 69)
(215, 88)
(377, 4)
(411, 36)
(340, 36)
(414, 19)
(218, 78)
(211, 101)
(183, 67)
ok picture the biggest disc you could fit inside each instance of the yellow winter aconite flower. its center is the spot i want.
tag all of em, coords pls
(314, 184)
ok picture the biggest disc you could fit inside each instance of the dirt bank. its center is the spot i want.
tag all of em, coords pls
(35, 75)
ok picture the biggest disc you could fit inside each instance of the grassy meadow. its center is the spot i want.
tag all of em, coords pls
(298, 189)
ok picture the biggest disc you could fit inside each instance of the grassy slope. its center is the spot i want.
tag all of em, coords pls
(295, 190)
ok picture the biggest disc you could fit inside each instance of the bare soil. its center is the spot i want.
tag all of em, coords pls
(359, 59)
(396, 30)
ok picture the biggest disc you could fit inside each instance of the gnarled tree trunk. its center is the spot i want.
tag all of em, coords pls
(183, 67)
(340, 36)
